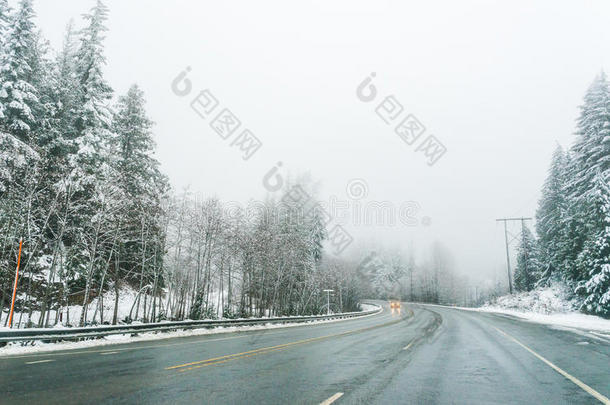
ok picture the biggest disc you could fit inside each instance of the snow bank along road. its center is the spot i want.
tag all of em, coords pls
(423, 354)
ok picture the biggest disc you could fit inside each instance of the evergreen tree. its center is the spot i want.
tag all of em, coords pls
(318, 232)
(92, 114)
(94, 90)
(4, 21)
(4, 24)
(551, 209)
(594, 260)
(134, 145)
(94, 201)
(43, 78)
(4, 18)
(20, 206)
(67, 85)
(589, 156)
(58, 140)
(591, 150)
(18, 93)
(528, 266)
(139, 179)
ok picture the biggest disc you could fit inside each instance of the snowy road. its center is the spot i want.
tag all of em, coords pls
(426, 354)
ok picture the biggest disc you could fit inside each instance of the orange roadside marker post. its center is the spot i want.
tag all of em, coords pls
(10, 318)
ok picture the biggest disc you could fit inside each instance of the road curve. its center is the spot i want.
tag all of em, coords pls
(482, 358)
(424, 354)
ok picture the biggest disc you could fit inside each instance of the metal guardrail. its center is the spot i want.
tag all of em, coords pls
(18, 335)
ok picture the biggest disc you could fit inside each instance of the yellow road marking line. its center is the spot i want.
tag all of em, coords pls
(250, 353)
(262, 349)
(409, 345)
(570, 377)
(332, 399)
(227, 360)
(39, 361)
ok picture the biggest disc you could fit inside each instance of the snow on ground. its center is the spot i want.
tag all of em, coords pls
(553, 305)
(557, 298)
(17, 348)
(568, 319)
(126, 299)
(368, 307)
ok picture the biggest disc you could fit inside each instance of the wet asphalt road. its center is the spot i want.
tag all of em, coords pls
(422, 355)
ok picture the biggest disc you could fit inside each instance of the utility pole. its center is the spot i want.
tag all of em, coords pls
(10, 317)
(328, 301)
(505, 220)
(522, 238)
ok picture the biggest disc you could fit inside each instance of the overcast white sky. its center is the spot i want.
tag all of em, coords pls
(498, 82)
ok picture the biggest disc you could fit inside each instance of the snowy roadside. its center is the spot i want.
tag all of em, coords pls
(17, 348)
(553, 305)
(368, 307)
(125, 307)
(568, 319)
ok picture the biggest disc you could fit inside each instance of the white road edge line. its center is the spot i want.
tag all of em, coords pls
(38, 361)
(332, 399)
(570, 377)
(105, 353)
(407, 346)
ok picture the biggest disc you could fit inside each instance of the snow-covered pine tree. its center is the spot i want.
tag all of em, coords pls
(551, 208)
(54, 136)
(5, 11)
(95, 91)
(67, 83)
(93, 116)
(4, 24)
(60, 95)
(528, 266)
(20, 204)
(594, 260)
(134, 146)
(590, 154)
(91, 174)
(60, 207)
(318, 232)
(139, 178)
(18, 94)
(43, 79)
